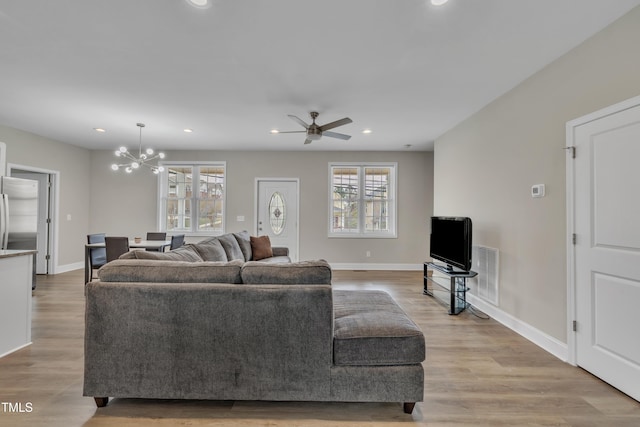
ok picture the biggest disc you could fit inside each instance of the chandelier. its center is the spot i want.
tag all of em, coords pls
(143, 159)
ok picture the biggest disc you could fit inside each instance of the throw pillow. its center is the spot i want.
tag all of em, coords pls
(261, 247)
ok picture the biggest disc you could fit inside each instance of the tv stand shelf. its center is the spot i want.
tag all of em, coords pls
(457, 286)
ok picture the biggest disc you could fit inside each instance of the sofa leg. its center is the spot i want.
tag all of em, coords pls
(408, 407)
(101, 402)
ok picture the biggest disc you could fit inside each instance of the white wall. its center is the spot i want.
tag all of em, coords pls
(484, 168)
(127, 204)
(72, 162)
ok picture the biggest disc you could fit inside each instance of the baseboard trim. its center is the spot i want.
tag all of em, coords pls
(539, 338)
(375, 266)
(68, 267)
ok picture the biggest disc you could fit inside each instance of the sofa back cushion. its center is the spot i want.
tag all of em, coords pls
(146, 270)
(231, 247)
(211, 250)
(244, 240)
(303, 273)
(183, 253)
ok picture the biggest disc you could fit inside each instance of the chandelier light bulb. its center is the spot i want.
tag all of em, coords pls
(128, 169)
(114, 166)
(160, 169)
(123, 149)
(438, 2)
(118, 153)
(149, 151)
(135, 165)
(161, 155)
(143, 157)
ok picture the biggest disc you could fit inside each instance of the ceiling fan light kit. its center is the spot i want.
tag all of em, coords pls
(314, 131)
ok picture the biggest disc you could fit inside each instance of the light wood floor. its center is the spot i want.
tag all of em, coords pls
(477, 373)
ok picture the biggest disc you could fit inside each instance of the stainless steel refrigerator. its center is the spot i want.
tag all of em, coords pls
(19, 215)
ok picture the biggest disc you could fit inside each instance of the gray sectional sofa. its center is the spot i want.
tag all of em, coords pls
(245, 330)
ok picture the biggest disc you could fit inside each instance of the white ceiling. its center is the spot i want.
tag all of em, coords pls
(406, 69)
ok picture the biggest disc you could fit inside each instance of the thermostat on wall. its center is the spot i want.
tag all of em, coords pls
(537, 190)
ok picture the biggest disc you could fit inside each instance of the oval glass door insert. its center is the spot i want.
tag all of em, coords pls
(277, 215)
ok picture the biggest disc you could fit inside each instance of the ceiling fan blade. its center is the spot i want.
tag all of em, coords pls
(291, 131)
(299, 120)
(335, 124)
(307, 141)
(336, 135)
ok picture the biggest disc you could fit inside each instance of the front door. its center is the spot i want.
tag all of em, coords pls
(607, 247)
(277, 216)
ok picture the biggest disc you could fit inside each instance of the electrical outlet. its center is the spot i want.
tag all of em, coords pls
(368, 254)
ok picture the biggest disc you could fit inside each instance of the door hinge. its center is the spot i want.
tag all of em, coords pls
(574, 238)
(575, 326)
(48, 220)
(573, 151)
(47, 257)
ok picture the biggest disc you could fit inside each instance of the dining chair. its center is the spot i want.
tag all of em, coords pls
(177, 240)
(97, 256)
(116, 246)
(156, 235)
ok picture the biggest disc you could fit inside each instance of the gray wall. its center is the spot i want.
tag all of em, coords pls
(127, 205)
(484, 168)
(72, 162)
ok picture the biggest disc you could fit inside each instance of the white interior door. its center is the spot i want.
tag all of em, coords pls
(607, 249)
(277, 216)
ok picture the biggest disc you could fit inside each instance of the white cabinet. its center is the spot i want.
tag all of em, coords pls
(15, 300)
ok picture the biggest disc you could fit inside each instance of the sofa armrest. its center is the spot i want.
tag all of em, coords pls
(280, 251)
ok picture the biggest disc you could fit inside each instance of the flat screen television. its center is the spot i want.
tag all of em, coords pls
(451, 242)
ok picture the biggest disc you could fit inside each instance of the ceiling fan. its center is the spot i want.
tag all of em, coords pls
(315, 132)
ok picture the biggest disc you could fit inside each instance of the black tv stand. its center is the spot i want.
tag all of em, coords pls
(457, 288)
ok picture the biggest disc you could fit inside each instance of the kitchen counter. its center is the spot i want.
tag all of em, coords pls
(6, 253)
(16, 272)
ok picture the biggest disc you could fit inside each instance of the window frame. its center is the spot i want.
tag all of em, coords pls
(361, 200)
(163, 193)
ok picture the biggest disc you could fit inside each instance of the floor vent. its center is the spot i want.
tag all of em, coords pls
(485, 263)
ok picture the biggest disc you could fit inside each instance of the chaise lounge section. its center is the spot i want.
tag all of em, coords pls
(245, 331)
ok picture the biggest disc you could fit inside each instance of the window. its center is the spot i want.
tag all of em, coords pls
(192, 198)
(362, 200)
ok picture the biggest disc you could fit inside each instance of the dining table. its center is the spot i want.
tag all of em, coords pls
(156, 245)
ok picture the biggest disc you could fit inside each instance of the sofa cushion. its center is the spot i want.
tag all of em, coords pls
(211, 250)
(231, 247)
(184, 253)
(303, 273)
(147, 270)
(261, 247)
(244, 240)
(371, 329)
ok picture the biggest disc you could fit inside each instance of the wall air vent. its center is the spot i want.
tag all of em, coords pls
(485, 263)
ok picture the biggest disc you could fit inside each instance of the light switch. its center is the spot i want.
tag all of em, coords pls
(240, 218)
(537, 190)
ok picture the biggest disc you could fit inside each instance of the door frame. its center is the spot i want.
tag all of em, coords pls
(54, 199)
(256, 207)
(572, 343)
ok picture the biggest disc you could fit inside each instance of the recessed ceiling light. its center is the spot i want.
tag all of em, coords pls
(274, 131)
(99, 130)
(202, 4)
(438, 2)
(367, 131)
(188, 130)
